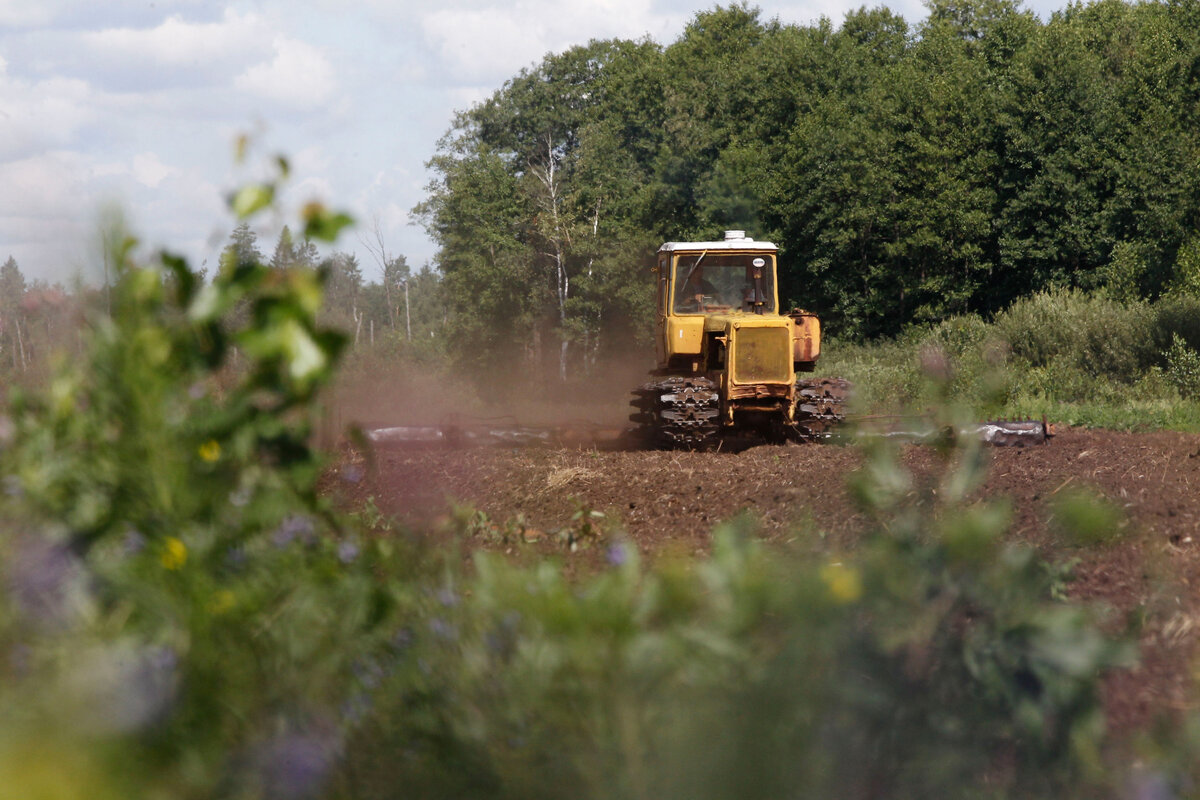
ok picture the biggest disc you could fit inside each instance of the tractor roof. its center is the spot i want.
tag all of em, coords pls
(734, 240)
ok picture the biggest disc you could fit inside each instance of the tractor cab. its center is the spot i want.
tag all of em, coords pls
(709, 290)
(724, 282)
(736, 275)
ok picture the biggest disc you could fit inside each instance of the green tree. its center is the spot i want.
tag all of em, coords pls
(12, 293)
(906, 173)
(290, 252)
(343, 286)
(537, 185)
(242, 248)
(395, 286)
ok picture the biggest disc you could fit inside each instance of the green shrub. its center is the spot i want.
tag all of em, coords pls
(1183, 367)
(1177, 314)
(1096, 335)
(1125, 273)
(1079, 358)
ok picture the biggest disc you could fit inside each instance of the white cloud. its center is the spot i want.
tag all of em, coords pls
(312, 189)
(176, 41)
(22, 13)
(394, 216)
(467, 96)
(44, 186)
(45, 210)
(466, 41)
(488, 42)
(35, 115)
(150, 171)
(309, 160)
(299, 75)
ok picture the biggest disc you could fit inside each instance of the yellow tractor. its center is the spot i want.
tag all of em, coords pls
(728, 360)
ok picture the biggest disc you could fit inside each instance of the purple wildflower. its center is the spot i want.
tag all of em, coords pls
(402, 640)
(235, 557)
(297, 526)
(134, 542)
(347, 551)
(128, 687)
(369, 673)
(1148, 785)
(43, 579)
(295, 766)
(443, 629)
(356, 707)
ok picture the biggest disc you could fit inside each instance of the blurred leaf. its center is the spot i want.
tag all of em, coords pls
(1086, 517)
(251, 199)
(322, 224)
(972, 535)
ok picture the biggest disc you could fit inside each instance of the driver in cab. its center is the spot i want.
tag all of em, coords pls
(695, 290)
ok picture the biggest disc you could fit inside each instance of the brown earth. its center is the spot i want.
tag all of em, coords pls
(524, 500)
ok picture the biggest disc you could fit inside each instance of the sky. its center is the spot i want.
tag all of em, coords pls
(135, 107)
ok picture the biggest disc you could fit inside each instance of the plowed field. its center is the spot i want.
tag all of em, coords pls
(668, 502)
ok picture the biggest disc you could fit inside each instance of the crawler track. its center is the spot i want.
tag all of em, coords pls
(685, 412)
(820, 406)
(679, 412)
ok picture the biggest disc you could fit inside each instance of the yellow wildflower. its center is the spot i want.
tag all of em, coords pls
(221, 602)
(174, 553)
(210, 451)
(844, 583)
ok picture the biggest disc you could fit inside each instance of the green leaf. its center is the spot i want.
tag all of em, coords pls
(306, 358)
(208, 305)
(252, 198)
(322, 224)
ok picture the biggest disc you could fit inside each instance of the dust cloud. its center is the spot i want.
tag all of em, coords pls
(404, 394)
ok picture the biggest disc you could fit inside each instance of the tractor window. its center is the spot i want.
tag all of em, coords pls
(723, 282)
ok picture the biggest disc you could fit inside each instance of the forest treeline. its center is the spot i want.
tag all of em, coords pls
(907, 172)
(400, 310)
